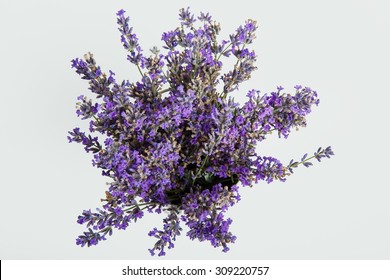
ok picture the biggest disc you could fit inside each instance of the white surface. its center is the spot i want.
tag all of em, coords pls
(337, 209)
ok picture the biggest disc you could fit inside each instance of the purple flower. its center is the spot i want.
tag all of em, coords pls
(118, 211)
(204, 17)
(186, 17)
(120, 13)
(239, 120)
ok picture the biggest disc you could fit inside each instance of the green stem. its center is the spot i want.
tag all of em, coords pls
(306, 160)
(136, 206)
(200, 169)
(220, 54)
(301, 162)
(164, 90)
(165, 76)
(234, 69)
(195, 69)
(139, 70)
(143, 208)
(203, 163)
(105, 229)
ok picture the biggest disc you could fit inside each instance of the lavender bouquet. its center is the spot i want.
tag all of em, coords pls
(174, 141)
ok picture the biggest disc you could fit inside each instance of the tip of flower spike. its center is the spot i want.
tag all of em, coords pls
(151, 252)
(121, 12)
(74, 62)
(204, 17)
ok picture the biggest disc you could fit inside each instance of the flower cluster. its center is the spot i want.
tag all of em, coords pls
(174, 142)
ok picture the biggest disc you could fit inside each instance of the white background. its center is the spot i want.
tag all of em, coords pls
(338, 209)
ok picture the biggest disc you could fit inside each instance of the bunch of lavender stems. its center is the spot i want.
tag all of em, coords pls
(175, 141)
